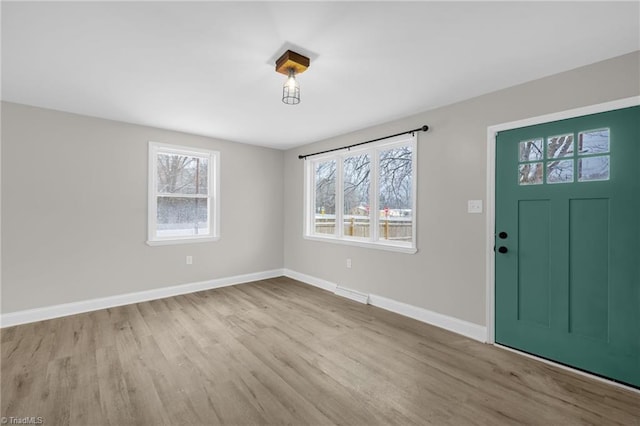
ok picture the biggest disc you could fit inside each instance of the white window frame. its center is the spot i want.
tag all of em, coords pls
(213, 195)
(373, 240)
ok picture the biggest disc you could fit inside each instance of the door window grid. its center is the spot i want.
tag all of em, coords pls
(592, 165)
(530, 167)
(557, 160)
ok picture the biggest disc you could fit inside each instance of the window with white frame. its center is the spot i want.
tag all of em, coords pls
(183, 194)
(364, 196)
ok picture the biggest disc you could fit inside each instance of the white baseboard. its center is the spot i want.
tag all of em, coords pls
(456, 325)
(352, 294)
(327, 285)
(308, 279)
(56, 311)
(465, 328)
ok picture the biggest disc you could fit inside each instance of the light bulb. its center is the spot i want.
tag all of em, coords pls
(291, 81)
(291, 90)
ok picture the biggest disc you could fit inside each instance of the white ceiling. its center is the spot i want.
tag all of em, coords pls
(208, 67)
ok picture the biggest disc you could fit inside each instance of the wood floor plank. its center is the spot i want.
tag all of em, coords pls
(24, 365)
(115, 406)
(57, 391)
(7, 334)
(143, 396)
(281, 352)
(85, 406)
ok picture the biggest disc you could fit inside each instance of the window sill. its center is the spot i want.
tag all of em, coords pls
(181, 241)
(365, 244)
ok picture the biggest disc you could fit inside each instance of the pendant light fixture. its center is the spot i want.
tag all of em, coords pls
(291, 64)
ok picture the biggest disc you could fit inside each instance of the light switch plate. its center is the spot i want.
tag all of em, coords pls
(474, 206)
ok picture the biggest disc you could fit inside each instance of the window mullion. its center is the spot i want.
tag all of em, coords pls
(373, 198)
(212, 196)
(339, 200)
(153, 202)
(414, 192)
(310, 218)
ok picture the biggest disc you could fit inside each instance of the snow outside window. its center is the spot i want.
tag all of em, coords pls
(183, 188)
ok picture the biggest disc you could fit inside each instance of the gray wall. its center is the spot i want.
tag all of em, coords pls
(447, 275)
(74, 203)
(74, 210)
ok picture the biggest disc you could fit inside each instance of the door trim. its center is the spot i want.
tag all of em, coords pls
(491, 181)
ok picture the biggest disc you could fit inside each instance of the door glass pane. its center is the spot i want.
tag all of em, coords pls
(560, 171)
(560, 146)
(356, 195)
(593, 168)
(593, 142)
(530, 174)
(530, 150)
(181, 174)
(395, 194)
(325, 202)
(180, 217)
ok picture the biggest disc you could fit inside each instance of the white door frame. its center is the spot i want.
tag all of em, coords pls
(491, 181)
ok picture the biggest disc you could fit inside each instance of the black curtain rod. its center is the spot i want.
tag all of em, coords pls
(423, 129)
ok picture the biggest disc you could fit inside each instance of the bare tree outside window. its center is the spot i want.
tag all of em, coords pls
(357, 182)
(182, 175)
(325, 202)
(531, 173)
(395, 194)
(560, 170)
(364, 196)
(560, 146)
(531, 150)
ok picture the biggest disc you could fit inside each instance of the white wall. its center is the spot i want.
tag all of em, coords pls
(74, 210)
(447, 275)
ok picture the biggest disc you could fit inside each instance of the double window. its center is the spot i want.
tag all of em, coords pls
(183, 194)
(364, 196)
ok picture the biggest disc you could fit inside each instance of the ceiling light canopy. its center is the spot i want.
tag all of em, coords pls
(290, 64)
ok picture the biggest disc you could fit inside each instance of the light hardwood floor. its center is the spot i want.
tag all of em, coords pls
(281, 352)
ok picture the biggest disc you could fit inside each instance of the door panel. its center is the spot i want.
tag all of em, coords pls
(533, 261)
(568, 283)
(589, 268)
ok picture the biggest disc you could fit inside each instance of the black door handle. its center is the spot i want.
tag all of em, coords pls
(503, 249)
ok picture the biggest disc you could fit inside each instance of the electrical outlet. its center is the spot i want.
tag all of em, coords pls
(348, 263)
(189, 260)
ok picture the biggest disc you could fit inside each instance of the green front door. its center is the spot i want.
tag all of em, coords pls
(568, 242)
